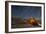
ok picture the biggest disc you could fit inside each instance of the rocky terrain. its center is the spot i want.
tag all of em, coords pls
(18, 22)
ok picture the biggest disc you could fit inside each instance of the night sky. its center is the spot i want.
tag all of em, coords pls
(26, 11)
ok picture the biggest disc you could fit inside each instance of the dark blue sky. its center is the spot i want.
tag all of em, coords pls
(26, 11)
